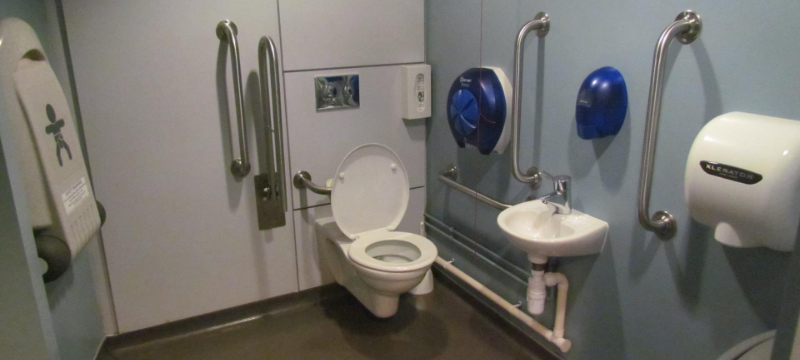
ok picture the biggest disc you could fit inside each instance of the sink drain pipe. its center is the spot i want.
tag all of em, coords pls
(556, 336)
(559, 280)
(537, 284)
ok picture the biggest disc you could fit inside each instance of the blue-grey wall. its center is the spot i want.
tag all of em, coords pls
(74, 310)
(641, 298)
(790, 309)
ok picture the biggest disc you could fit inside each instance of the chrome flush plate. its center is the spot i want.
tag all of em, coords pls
(337, 92)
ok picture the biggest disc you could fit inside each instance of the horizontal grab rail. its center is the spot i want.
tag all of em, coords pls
(686, 28)
(449, 175)
(302, 180)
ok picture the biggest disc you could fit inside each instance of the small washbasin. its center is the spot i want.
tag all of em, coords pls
(534, 227)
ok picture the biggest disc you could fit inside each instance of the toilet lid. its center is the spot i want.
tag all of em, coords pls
(370, 190)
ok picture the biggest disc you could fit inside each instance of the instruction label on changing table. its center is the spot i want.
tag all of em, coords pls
(75, 195)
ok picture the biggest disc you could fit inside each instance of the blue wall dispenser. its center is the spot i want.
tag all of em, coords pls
(602, 104)
(477, 108)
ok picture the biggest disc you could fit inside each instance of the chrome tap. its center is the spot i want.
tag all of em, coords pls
(561, 188)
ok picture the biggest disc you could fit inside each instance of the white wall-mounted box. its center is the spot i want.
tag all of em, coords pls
(415, 82)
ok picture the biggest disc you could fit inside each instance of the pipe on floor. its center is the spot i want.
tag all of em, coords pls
(563, 344)
(460, 239)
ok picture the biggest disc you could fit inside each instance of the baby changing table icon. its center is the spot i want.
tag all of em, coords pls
(55, 129)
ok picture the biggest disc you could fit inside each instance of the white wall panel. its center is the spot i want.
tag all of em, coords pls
(156, 95)
(344, 33)
(318, 141)
(310, 270)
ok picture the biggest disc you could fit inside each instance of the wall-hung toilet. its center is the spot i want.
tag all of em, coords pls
(359, 244)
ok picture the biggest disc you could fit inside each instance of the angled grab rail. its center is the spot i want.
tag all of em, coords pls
(686, 28)
(541, 24)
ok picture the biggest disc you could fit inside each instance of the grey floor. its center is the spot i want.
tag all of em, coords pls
(441, 325)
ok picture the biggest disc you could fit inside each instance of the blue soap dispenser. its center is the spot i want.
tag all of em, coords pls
(602, 104)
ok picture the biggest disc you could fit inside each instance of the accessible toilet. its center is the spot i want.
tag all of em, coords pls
(359, 244)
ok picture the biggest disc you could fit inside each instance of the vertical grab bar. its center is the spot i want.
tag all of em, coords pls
(686, 28)
(268, 64)
(226, 31)
(540, 23)
(271, 202)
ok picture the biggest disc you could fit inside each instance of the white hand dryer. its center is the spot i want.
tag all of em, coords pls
(743, 180)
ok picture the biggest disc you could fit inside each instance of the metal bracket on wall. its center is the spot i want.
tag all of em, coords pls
(269, 206)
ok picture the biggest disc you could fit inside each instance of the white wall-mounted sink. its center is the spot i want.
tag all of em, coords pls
(534, 227)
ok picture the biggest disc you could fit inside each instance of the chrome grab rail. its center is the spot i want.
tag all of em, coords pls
(226, 31)
(686, 28)
(540, 23)
(268, 66)
(302, 180)
(450, 174)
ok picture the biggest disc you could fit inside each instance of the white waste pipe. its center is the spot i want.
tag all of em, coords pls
(558, 279)
(563, 344)
(537, 292)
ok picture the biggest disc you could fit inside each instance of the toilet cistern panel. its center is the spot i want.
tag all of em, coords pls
(370, 190)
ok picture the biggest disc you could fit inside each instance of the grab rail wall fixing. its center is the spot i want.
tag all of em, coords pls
(449, 176)
(541, 24)
(226, 31)
(686, 28)
(302, 180)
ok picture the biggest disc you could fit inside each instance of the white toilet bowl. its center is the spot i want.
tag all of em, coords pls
(359, 245)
